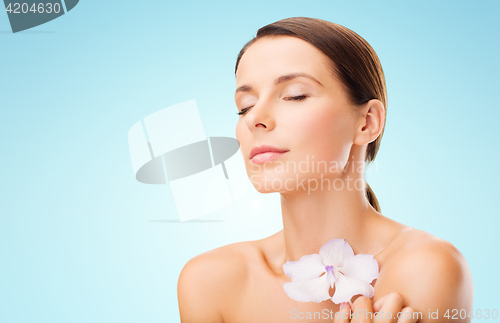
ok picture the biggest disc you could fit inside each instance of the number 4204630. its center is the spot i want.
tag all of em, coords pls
(477, 314)
(35, 8)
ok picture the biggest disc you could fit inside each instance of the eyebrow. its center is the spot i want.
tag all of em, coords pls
(280, 80)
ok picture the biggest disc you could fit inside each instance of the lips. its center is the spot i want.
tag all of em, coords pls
(265, 157)
(265, 149)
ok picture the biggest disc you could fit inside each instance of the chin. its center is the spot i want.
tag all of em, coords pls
(269, 182)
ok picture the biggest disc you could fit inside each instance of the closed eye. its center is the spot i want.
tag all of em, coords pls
(296, 98)
(291, 98)
(243, 111)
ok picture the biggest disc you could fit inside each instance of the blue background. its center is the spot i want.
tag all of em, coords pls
(82, 241)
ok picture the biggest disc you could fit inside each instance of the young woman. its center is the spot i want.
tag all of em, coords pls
(312, 93)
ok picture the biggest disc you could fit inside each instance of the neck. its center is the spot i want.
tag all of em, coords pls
(312, 218)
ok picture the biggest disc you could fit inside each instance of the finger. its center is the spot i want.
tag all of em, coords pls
(408, 315)
(380, 302)
(343, 315)
(392, 305)
(362, 310)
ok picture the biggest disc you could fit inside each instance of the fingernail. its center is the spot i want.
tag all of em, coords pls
(343, 304)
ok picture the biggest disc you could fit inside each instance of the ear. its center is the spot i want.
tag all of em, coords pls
(371, 122)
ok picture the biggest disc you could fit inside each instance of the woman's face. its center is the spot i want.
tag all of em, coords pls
(309, 117)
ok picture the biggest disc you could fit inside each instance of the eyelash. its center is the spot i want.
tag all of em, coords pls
(292, 98)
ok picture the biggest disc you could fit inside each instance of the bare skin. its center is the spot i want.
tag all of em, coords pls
(246, 281)
(243, 282)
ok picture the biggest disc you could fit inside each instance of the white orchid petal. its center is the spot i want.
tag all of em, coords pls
(335, 252)
(307, 267)
(363, 267)
(313, 290)
(346, 287)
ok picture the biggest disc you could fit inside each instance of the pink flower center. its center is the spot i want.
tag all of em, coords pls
(330, 275)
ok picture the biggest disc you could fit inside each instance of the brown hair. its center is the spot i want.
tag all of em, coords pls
(354, 62)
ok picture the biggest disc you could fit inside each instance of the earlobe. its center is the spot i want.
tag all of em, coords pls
(372, 122)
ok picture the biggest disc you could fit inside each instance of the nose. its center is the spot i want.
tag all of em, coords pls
(260, 117)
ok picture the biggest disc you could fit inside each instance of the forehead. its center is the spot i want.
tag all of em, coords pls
(271, 57)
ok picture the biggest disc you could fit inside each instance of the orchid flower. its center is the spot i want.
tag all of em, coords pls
(335, 265)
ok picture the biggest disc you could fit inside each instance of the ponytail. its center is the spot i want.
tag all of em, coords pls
(371, 198)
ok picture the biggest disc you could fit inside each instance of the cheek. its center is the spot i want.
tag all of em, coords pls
(242, 135)
(239, 131)
(323, 134)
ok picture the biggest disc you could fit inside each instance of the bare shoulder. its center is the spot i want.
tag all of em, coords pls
(416, 243)
(430, 273)
(210, 281)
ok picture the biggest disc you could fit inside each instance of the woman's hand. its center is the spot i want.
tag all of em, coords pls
(385, 310)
